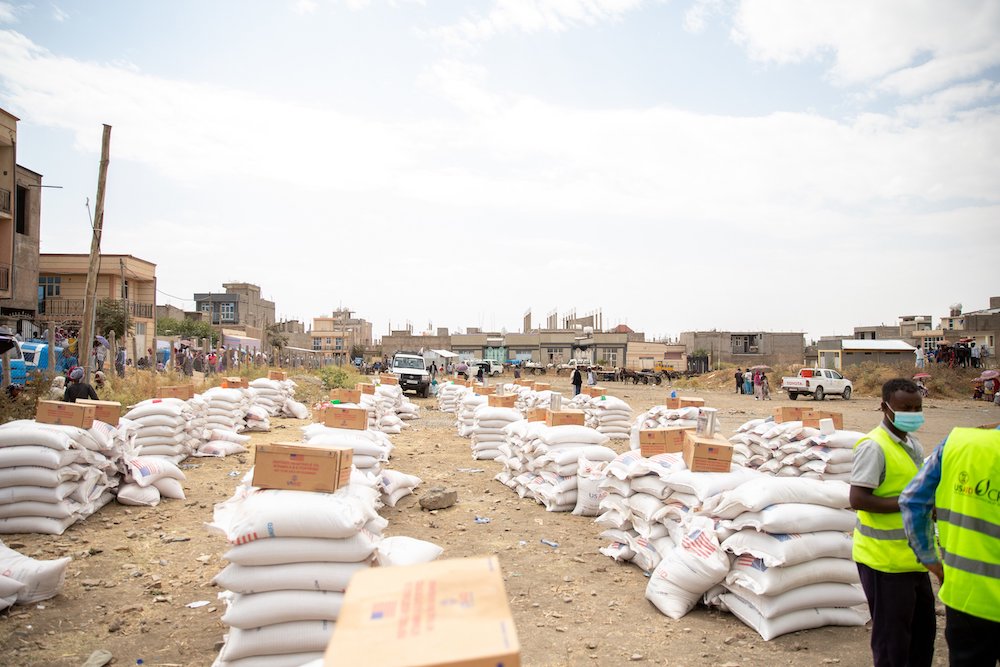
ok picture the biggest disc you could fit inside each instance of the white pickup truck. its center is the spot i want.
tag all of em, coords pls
(819, 383)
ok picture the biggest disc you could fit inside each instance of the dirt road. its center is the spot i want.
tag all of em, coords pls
(134, 570)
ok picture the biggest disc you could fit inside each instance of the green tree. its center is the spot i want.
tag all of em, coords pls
(357, 352)
(186, 328)
(110, 316)
(274, 337)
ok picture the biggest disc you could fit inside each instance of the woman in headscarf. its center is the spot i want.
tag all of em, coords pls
(78, 388)
(58, 388)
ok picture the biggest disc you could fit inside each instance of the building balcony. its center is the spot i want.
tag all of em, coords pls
(73, 308)
(5, 202)
(4, 277)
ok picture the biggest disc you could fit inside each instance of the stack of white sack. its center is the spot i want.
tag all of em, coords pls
(389, 398)
(487, 431)
(25, 580)
(449, 396)
(148, 479)
(53, 476)
(529, 399)
(292, 556)
(608, 414)
(396, 485)
(467, 412)
(542, 462)
(173, 428)
(371, 448)
(277, 398)
(793, 569)
(660, 416)
(789, 449)
(408, 411)
(221, 443)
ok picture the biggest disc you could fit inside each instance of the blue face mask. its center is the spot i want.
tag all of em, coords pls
(907, 422)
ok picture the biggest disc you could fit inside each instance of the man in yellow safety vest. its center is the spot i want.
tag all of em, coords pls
(897, 586)
(961, 482)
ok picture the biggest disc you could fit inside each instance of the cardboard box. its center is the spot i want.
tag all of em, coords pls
(506, 401)
(524, 383)
(450, 612)
(537, 414)
(301, 467)
(108, 412)
(335, 416)
(703, 454)
(65, 414)
(811, 418)
(365, 388)
(673, 403)
(692, 402)
(597, 392)
(541, 386)
(346, 395)
(564, 418)
(480, 390)
(668, 440)
(235, 382)
(388, 378)
(788, 414)
(183, 392)
(277, 375)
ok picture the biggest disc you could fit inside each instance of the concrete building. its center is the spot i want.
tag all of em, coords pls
(404, 340)
(295, 334)
(8, 188)
(909, 325)
(122, 279)
(169, 312)
(877, 332)
(644, 355)
(19, 309)
(745, 348)
(239, 308)
(853, 352)
(360, 329)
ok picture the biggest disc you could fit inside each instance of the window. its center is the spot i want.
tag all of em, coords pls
(338, 344)
(553, 353)
(328, 341)
(206, 307)
(227, 311)
(125, 290)
(50, 285)
(21, 210)
(317, 344)
(140, 328)
(609, 355)
(748, 344)
(836, 375)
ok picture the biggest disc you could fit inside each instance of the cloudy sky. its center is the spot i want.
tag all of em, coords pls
(737, 164)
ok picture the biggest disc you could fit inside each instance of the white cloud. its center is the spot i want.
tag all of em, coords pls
(58, 14)
(697, 16)
(904, 46)
(304, 7)
(533, 16)
(8, 13)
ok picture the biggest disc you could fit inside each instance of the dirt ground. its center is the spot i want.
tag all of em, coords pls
(134, 570)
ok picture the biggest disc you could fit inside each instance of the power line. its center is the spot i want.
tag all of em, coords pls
(175, 297)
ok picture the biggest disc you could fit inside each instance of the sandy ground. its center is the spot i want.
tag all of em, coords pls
(135, 569)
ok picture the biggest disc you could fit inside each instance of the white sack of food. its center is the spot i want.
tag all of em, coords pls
(688, 570)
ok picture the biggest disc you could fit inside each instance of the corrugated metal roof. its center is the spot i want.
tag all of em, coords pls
(877, 345)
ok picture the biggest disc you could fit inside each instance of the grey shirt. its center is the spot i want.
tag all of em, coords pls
(868, 470)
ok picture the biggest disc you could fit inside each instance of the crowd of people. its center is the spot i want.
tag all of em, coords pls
(753, 381)
(957, 355)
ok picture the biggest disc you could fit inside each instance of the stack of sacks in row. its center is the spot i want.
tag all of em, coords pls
(408, 411)
(660, 416)
(466, 420)
(789, 449)
(371, 448)
(487, 432)
(292, 555)
(53, 476)
(542, 462)
(449, 396)
(277, 398)
(793, 569)
(608, 414)
(396, 485)
(148, 479)
(173, 428)
(25, 580)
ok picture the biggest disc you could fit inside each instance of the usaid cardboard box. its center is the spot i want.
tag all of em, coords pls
(65, 414)
(505, 401)
(811, 418)
(388, 378)
(335, 416)
(564, 418)
(692, 402)
(108, 412)
(450, 613)
(537, 414)
(301, 467)
(277, 375)
(183, 392)
(346, 395)
(667, 440)
(704, 454)
(365, 387)
(788, 414)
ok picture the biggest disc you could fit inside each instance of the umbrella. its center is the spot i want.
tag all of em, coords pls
(921, 376)
(103, 341)
(761, 367)
(989, 375)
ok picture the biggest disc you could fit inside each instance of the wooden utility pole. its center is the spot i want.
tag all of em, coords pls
(86, 340)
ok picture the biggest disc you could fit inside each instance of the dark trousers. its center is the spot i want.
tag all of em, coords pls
(972, 641)
(903, 620)
(576, 389)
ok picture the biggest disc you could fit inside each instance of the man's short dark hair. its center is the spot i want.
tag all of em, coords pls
(898, 384)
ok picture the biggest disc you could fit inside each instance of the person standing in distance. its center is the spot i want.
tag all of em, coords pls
(897, 586)
(78, 388)
(577, 381)
(961, 482)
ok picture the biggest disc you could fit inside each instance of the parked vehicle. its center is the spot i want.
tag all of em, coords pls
(411, 371)
(818, 383)
(573, 364)
(36, 355)
(533, 367)
(18, 369)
